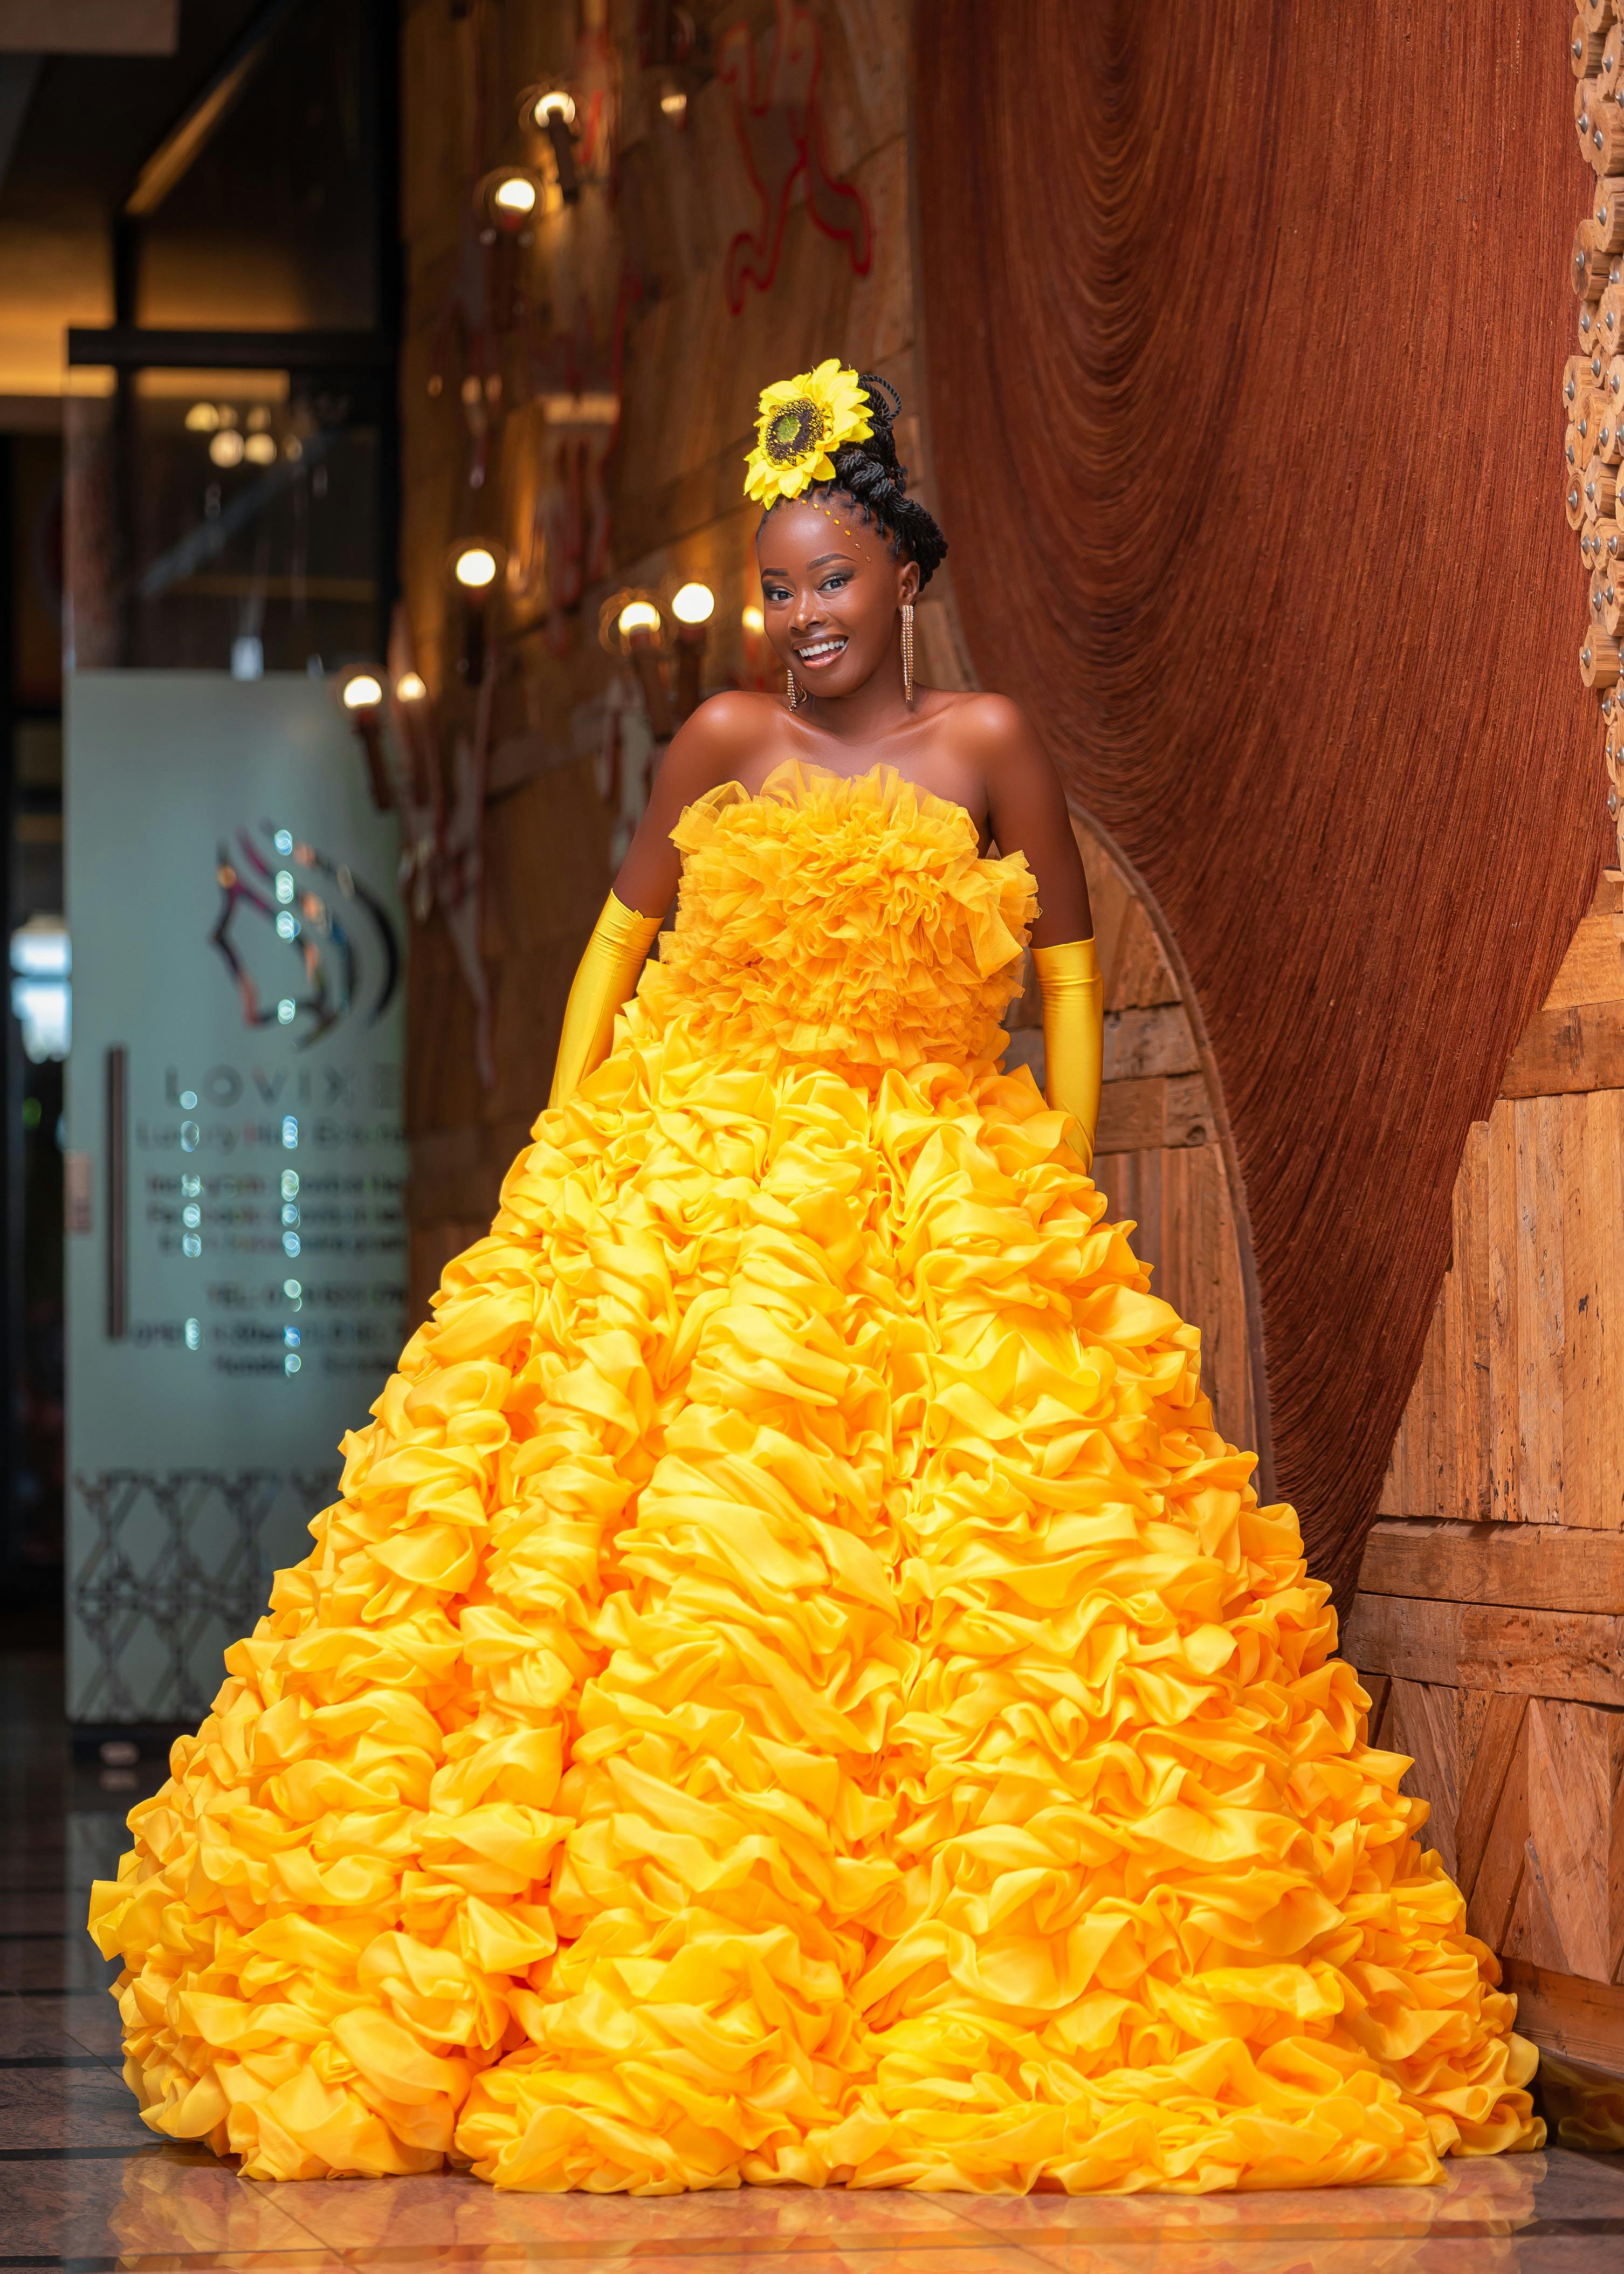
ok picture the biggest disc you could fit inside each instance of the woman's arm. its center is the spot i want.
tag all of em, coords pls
(706, 750)
(703, 755)
(1027, 809)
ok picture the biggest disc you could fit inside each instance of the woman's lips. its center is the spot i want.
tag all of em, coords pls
(820, 651)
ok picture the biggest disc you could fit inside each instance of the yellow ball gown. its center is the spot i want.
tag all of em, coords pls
(795, 1687)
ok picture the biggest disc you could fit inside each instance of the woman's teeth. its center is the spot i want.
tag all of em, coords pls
(820, 652)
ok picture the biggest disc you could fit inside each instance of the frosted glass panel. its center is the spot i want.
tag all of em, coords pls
(236, 1250)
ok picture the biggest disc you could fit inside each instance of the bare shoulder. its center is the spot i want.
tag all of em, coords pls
(717, 739)
(993, 730)
(991, 717)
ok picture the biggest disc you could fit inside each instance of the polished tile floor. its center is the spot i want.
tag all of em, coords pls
(84, 2185)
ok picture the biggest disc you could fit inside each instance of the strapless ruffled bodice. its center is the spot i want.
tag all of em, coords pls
(843, 918)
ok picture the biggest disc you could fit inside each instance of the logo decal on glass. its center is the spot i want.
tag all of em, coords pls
(305, 942)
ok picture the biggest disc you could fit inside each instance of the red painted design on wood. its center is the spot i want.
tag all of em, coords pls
(779, 133)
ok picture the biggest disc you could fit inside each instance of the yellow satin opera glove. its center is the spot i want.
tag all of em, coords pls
(604, 978)
(1073, 1032)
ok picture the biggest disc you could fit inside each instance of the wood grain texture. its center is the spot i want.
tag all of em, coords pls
(1372, 838)
(1517, 1409)
(1544, 1567)
(1585, 2019)
(1491, 1646)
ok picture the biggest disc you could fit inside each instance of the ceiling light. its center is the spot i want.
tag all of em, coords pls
(364, 692)
(202, 418)
(262, 449)
(409, 688)
(226, 448)
(514, 194)
(637, 616)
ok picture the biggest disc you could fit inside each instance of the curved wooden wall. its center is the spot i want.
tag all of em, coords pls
(1243, 325)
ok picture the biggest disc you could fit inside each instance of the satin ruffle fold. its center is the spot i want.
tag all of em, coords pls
(795, 1687)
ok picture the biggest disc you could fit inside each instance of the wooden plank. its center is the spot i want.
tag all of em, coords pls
(1575, 1756)
(1489, 1742)
(1138, 972)
(1541, 1567)
(1137, 1115)
(1500, 1388)
(1577, 1047)
(1604, 1141)
(1466, 1458)
(1488, 1646)
(1592, 970)
(1541, 1341)
(1421, 1721)
(1492, 1904)
(1581, 1312)
(1583, 2020)
(1157, 1040)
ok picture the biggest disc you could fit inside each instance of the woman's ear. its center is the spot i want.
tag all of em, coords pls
(907, 583)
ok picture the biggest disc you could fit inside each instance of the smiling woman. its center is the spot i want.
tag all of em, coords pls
(796, 1688)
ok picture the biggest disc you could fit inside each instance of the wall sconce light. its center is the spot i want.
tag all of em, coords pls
(632, 624)
(693, 605)
(362, 691)
(506, 201)
(475, 564)
(551, 111)
(409, 687)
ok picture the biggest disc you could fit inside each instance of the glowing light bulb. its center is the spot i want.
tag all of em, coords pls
(363, 692)
(754, 622)
(693, 603)
(260, 449)
(409, 688)
(475, 567)
(202, 418)
(226, 448)
(674, 102)
(516, 195)
(637, 616)
(556, 104)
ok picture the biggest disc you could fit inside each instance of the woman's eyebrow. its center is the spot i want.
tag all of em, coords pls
(821, 562)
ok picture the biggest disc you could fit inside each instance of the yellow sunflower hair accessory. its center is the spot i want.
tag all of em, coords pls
(799, 424)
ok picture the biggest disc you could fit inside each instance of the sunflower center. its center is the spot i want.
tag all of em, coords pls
(794, 429)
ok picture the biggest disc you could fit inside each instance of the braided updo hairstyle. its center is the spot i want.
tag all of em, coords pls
(872, 475)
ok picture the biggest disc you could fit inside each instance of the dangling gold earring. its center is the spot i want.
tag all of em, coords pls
(907, 653)
(792, 692)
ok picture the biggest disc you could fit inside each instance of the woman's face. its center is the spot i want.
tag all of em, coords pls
(830, 590)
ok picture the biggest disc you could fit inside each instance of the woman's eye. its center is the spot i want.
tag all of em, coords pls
(833, 583)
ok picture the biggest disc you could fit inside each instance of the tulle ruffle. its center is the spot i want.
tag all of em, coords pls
(794, 1689)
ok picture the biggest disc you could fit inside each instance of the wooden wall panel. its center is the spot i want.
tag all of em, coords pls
(1491, 1606)
(1517, 1411)
(1208, 285)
